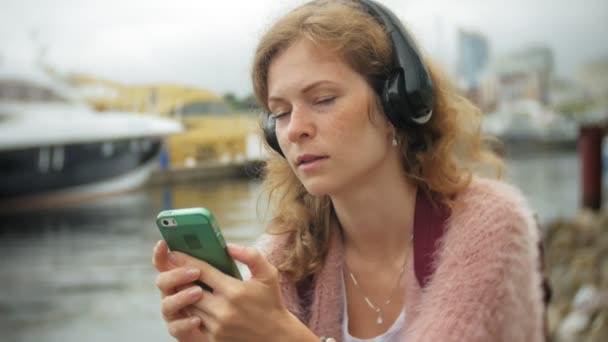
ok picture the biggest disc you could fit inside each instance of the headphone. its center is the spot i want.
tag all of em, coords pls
(407, 93)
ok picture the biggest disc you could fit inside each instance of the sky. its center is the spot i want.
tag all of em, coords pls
(210, 44)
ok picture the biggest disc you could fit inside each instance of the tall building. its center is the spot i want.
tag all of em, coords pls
(526, 74)
(593, 76)
(473, 58)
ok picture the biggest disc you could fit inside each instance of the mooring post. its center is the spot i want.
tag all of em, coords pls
(590, 150)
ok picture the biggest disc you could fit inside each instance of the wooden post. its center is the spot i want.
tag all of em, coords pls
(590, 149)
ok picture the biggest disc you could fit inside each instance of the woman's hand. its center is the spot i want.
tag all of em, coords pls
(236, 310)
(178, 293)
(251, 310)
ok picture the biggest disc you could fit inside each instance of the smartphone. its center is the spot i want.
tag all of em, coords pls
(195, 232)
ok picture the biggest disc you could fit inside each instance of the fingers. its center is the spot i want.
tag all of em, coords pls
(159, 256)
(208, 274)
(205, 317)
(183, 328)
(169, 282)
(211, 306)
(173, 304)
(213, 312)
(260, 267)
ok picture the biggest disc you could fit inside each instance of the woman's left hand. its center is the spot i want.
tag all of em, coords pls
(237, 310)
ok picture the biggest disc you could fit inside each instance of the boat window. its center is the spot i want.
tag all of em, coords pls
(17, 90)
(202, 109)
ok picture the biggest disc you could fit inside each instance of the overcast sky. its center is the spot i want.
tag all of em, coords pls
(210, 43)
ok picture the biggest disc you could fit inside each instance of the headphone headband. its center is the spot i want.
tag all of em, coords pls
(415, 84)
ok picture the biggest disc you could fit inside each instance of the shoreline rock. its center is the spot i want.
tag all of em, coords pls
(576, 259)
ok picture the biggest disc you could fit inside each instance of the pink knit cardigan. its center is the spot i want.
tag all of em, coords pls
(486, 286)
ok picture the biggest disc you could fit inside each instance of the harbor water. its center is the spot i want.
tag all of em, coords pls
(84, 273)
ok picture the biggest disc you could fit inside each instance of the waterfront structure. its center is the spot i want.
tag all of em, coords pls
(52, 144)
(214, 133)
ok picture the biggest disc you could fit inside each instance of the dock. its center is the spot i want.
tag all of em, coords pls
(206, 171)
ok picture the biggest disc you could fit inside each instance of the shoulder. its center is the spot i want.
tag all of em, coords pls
(494, 201)
(495, 213)
(491, 245)
(487, 263)
(492, 194)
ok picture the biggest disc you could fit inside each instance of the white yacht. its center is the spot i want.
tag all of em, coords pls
(53, 146)
(527, 126)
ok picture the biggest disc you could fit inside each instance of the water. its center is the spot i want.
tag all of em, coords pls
(85, 273)
(550, 182)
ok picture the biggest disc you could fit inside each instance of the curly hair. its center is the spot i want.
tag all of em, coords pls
(440, 157)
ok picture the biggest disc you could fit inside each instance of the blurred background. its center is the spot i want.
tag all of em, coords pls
(112, 111)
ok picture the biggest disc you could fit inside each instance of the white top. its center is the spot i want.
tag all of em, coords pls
(393, 334)
(27, 125)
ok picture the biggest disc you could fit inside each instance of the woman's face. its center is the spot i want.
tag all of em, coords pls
(323, 124)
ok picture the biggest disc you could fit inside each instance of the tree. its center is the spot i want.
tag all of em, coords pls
(246, 103)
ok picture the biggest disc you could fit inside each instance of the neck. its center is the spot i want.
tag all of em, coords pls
(377, 216)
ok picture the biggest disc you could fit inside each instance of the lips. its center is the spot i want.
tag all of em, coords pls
(308, 158)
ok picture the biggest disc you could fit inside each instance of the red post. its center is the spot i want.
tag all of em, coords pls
(590, 149)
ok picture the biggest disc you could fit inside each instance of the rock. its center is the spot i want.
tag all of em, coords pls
(556, 313)
(590, 299)
(583, 300)
(603, 270)
(599, 329)
(572, 327)
(585, 219)
(576, 258)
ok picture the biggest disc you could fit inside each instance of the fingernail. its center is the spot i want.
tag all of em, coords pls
(195, 291)
(195, 320)
(193, 273)
(172, 259)
(157, 245)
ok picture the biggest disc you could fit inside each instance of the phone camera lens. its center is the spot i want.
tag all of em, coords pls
(166, 222)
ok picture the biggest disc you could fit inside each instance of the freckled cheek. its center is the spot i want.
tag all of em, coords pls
(345, 128)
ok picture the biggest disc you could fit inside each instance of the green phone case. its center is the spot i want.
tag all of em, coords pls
(195, 232)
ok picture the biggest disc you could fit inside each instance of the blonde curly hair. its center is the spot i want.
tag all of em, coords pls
(440, 157)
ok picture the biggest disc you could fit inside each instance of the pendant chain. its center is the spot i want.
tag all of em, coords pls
(377, 308)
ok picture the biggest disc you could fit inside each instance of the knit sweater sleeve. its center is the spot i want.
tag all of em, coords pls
(486, 286)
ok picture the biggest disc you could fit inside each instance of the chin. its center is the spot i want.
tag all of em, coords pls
(319, 187)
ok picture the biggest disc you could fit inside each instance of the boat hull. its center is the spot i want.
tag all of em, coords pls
(73, 168)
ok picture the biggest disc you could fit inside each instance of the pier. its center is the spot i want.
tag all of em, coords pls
(210, 170)
(591, 164)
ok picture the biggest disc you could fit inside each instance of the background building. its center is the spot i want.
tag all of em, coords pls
(526, 75)
(473, 58)
(593, 77)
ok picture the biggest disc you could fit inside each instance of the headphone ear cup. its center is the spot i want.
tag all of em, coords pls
(270, 134)
(394, 100)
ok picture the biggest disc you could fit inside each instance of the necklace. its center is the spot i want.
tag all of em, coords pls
(377, 308)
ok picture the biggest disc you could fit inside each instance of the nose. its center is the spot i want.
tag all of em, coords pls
(301, 125)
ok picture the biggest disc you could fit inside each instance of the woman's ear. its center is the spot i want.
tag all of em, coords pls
(375, 112)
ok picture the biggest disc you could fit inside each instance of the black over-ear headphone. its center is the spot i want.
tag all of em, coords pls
(407, 93)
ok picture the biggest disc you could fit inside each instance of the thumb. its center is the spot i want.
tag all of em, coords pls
(257, 263)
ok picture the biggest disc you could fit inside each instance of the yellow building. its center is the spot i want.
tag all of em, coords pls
(214, 133)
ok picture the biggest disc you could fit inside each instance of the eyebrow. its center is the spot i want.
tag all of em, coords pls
(305, 89)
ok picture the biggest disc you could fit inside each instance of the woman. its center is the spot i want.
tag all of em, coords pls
(346, 182)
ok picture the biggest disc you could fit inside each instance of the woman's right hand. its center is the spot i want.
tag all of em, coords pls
(178, 292)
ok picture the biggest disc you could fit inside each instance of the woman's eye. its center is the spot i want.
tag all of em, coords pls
(278, 115)
(326, 100)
